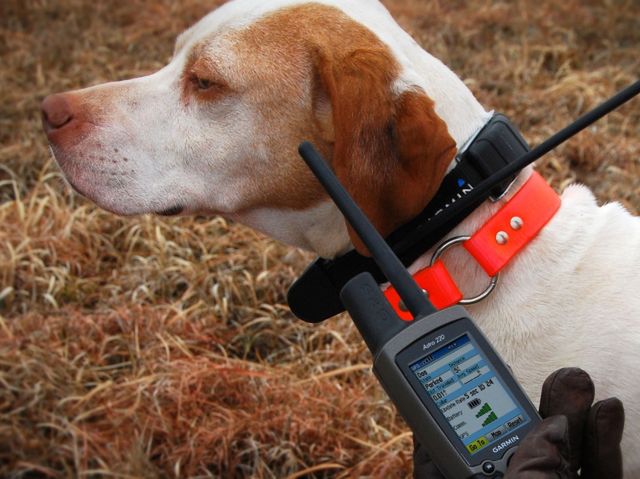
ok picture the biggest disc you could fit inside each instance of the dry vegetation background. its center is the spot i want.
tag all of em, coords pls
(148, 347)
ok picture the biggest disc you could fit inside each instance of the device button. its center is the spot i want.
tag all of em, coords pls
(514, 423)
(496, 433)
(488, 467)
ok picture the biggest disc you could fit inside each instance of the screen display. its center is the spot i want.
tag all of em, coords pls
(469, 394)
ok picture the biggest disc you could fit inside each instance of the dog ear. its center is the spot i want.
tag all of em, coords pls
(391, 151)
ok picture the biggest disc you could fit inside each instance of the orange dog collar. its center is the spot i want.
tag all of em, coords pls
(493, 246)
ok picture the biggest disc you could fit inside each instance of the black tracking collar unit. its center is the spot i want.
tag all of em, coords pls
(315, 296)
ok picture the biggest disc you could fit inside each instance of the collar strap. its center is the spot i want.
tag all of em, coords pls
(315, 296)
(493, 246)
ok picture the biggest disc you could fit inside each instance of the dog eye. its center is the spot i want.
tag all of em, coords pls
(203, 83)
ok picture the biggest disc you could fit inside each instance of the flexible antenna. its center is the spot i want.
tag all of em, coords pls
(413, 297)
(478, 194)
(563, 135)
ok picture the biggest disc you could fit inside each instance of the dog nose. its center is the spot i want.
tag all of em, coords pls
(56, 112)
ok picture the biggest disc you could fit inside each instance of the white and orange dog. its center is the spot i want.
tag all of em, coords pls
(216, 132)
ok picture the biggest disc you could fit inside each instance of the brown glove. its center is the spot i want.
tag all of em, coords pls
(587, 440)
(575, 435)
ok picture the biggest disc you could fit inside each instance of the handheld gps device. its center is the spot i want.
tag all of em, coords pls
(450, 385)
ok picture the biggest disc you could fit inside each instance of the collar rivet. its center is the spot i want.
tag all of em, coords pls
(516, 223)
(502, 237)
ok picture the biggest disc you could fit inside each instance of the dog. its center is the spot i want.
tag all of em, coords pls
(215, 132)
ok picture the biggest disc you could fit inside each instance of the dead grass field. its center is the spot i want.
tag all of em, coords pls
(148, 347)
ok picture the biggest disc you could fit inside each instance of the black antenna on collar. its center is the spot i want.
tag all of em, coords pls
(560, 137)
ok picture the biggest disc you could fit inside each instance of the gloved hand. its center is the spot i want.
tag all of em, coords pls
(575, 435)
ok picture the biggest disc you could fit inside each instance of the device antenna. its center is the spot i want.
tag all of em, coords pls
(413, 297)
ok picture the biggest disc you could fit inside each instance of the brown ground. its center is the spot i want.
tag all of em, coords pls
(158, 348)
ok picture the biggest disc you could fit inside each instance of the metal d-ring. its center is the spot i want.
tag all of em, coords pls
(453, 242)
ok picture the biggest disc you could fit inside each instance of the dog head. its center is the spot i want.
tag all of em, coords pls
(216, 131)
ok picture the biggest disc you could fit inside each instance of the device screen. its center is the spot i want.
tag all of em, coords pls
(469, 394)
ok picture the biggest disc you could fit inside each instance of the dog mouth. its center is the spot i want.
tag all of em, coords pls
(107, 188)
(173, 211)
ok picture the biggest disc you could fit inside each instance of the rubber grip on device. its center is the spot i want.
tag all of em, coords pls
(371, 312)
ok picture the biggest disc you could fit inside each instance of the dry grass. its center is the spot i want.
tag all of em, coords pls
(164, 348)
